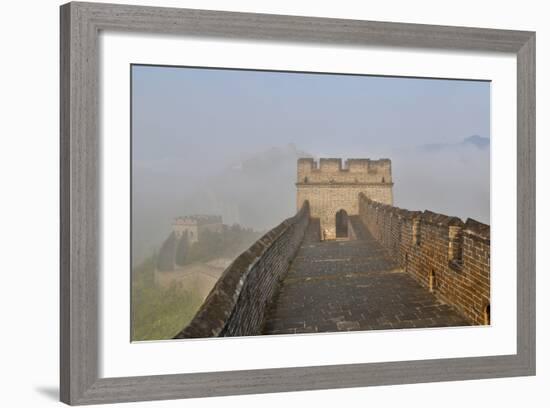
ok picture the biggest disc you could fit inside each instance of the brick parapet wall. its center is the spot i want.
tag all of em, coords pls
(237, 303)
(444, 254)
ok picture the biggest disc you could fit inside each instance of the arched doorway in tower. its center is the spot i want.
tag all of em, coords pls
(342, 224)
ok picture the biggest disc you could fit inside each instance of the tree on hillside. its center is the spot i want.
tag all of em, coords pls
(166, 257)
(181, 250)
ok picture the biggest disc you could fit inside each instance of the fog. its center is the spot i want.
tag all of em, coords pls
(226, 142)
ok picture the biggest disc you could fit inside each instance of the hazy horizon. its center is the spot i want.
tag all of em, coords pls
(226, 142)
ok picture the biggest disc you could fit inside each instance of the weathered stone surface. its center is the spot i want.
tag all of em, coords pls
(351, 285)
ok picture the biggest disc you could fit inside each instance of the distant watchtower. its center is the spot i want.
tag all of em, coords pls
(333, 190)
(194, 225)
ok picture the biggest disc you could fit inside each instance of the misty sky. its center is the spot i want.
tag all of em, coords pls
(226, 141)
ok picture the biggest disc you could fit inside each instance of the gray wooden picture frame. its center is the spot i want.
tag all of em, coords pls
(80, 191)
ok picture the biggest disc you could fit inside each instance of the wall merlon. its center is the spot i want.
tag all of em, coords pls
(368, 165)
(440, 219)
(477, 229)
(330, 164)
(407, 214)
(306, 166)
(357, 165)
(307, 161)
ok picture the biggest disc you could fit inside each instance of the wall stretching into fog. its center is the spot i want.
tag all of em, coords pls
(226, 142)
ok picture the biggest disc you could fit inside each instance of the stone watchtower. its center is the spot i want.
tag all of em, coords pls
(194, 225)
(333, 190)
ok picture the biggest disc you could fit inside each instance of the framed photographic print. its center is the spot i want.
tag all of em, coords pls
(328, 190)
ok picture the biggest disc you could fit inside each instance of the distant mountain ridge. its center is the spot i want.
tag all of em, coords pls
(256, 191)
(479, 142)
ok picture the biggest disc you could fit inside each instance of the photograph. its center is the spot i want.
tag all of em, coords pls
(275, 204)
(281, 202)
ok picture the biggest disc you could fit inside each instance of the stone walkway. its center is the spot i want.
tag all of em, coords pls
(351, 285)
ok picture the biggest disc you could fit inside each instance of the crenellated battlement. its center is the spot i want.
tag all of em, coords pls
(193, 226)
(197, 219)
(448, 256)
(354, 171)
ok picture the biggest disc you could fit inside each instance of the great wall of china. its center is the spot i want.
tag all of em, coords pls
(350, 260)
